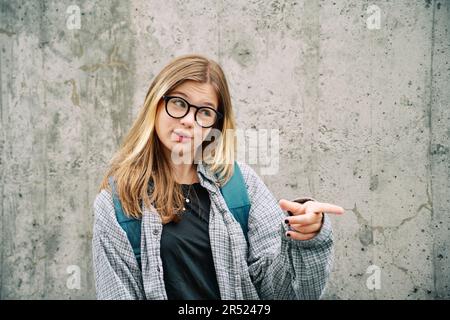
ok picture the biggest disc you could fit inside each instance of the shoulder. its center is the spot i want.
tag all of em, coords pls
(247, 171)
(251, 178)
(104, 208)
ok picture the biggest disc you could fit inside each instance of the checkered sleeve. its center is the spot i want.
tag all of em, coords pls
(116, 278)
(280, 267)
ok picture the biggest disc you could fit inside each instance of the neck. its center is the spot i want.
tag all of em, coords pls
(185, 173)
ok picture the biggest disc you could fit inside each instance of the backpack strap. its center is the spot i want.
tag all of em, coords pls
(130, 225)
(236, 196)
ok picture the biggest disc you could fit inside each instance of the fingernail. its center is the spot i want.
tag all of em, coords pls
(288, 234)
(286, 221)
(290, 213)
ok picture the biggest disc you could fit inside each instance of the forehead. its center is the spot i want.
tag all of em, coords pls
(197, 93)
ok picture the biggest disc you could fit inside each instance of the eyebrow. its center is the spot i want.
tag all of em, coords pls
(184, 95)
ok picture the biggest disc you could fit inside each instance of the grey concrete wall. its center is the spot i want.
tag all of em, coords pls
(363, 115)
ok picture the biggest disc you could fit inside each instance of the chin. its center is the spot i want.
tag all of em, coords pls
(179, 147)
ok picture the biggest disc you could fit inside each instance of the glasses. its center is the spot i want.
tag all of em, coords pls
(178, 108)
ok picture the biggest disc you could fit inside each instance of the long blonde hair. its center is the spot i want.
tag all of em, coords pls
(140, 158)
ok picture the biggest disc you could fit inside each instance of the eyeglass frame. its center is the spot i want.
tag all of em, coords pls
(167, 98)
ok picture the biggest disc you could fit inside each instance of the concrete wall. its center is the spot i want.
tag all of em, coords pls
(363, 115)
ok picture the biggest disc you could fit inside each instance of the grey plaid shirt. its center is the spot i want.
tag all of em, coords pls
(270, 266)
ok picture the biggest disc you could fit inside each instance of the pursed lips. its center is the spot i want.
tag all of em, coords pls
(182, 136)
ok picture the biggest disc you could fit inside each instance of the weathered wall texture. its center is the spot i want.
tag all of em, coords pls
(363, 115)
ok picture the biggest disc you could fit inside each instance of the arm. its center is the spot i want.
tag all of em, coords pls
(280, 267)
(116, 276)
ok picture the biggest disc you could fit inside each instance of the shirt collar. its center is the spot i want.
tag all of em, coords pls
(207, 178)
(204, 170)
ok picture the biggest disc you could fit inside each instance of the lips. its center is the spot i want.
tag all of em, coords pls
(182, 134)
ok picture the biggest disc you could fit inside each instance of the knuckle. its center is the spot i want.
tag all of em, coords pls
(307, 205)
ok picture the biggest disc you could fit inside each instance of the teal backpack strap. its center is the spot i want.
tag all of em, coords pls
(236, 196)
(131, 226)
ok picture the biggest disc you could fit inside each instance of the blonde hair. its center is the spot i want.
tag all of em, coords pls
(141, 159)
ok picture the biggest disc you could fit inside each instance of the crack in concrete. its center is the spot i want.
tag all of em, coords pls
(8, 33)
(75, 96)
(430, 126)
(363, 222)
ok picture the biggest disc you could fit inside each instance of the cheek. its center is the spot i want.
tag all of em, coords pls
(205, 133)
(163, 126)
(200, 134)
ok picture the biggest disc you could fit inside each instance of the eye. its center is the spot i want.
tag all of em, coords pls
(206, 112)
(179, 102)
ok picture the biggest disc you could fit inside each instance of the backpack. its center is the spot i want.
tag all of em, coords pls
(234, 192)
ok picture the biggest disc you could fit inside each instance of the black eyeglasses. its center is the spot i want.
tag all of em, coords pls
(178, 108)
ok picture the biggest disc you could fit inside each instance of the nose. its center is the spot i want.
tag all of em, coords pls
(189, 119)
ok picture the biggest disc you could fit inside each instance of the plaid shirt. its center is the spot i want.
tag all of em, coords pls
(270, 266)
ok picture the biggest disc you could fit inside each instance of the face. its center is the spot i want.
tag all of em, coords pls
(183, 136)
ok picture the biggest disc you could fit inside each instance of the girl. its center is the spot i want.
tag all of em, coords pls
(190, 243)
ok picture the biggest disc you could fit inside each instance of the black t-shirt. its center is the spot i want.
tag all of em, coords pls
(186, 255)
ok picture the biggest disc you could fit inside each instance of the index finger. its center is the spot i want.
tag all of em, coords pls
(329, 208)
